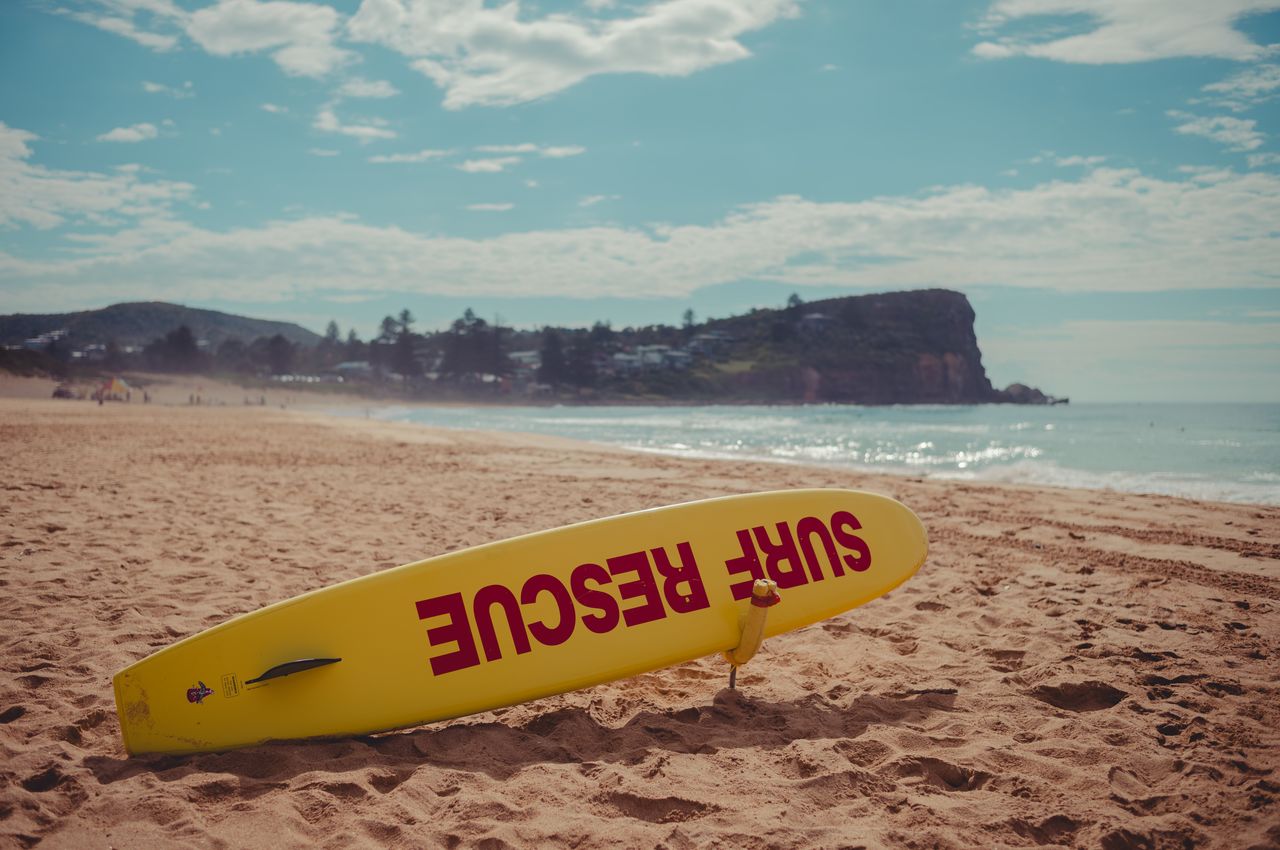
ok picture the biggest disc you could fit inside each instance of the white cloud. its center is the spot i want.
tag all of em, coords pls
(1246, 89)
(526, 147)
(44, 198)
(503, 207)
(562, 152)
(548, 151)
(312, 60)
(1108, 230)
(301, 34)
(1237, 134)
(126, 27)
(495, 164)
(1122, 30)
(322, 152)
(13, 143)
(327, 122)
(1261, 160)
(358, 87)
(274, 108)
(419, 156)
(1079, 161)
(180, 92)
(592, 200)
(502, 55)
(491, 165)
(158, 9)
(991, 50)
(135, 133)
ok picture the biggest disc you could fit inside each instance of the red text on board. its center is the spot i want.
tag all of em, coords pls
(634, 588)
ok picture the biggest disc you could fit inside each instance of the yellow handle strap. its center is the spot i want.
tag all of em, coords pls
(764, 594)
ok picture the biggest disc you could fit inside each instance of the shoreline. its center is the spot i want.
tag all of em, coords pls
(354, 392)
(213, 393)
(1086, 667)
(1024, 472)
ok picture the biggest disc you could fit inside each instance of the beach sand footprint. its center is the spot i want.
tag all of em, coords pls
(12, 713)
(1006, 660)
(1079, 696)
(940, 774)
(1054, 830)
(656, 809)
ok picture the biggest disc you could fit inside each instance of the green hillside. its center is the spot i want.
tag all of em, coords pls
(140, 323)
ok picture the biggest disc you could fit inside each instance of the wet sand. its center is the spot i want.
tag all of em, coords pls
(1069, 669)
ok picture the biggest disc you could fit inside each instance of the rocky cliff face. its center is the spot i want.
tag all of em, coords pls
(895, 348)
(925, 350)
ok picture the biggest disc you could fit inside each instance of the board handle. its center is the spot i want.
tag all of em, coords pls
(764, 595)
(290, 667)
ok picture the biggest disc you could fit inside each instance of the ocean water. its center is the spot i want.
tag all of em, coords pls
(1222, 452)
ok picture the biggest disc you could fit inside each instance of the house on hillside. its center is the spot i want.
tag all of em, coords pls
(525, 361)
(353, 369)
(625, 363)
(710, 343)
(678, 358)
(44, 340)
(649, 357)
(653, 356)
(95, 353)
(817, 323)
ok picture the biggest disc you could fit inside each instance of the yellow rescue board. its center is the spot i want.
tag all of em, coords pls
(511, 621)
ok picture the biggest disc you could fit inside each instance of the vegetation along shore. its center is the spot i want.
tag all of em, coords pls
(894, 348)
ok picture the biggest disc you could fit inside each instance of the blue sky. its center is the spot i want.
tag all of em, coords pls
(1101, 177)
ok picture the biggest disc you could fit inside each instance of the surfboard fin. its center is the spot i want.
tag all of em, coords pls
(291, 667)
(764, 595)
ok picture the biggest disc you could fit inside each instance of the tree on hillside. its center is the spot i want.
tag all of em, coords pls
(402, 356)
(472, 347)
(381, 351)
(552, 370)
(406, 319)
(233, 355)
(176, 352)
(353, 349)
(496, 360)
(390, 327)
(58, 351)
(113, 359)
(602, 335)
(329, 350)
(280, 354)
(580, 365)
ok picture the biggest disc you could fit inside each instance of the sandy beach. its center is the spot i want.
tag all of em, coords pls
(1069, 669)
